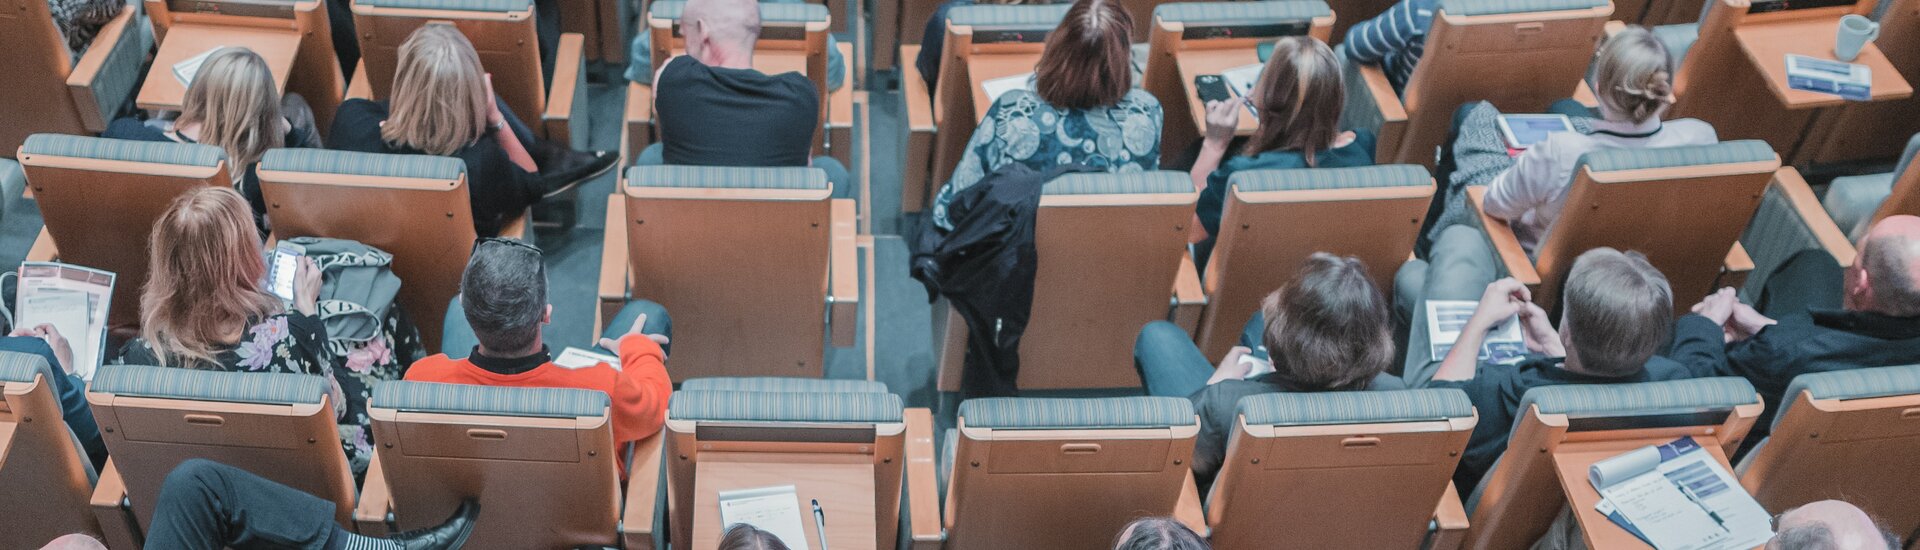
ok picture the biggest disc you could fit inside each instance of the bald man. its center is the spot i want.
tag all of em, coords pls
(1878, 325)
(1829, 525)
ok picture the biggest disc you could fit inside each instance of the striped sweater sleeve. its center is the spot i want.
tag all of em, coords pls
(1373, 40)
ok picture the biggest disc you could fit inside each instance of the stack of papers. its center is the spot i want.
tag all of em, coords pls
(75, 301)
(1445, 318)
(1848, 80)
(185, 70)
(775, 510)
(576, 358)
(998, 86)
(1677, 497)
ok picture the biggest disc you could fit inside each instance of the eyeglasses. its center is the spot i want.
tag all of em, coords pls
(517, 243)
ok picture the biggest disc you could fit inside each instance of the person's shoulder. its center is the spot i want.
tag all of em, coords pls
(432, 368)
(1141, 98)
(360, 106)
(1696, 131)
(1386, 382)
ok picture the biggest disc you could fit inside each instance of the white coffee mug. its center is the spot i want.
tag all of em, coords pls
(1855, 32)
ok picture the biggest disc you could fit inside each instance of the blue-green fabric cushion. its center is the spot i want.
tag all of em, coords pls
(323, 161)
(1640, 399)
(1045, 16)
(1496, 7)
(488, 400)
(454, 5)
(157, 152)
(1643, 158)
(23, 367)
(1311, 179)
(727, 177)
(760, 406)
(1851, 384)
(1241, 12)
(1775, 234)
(1354, 407)
(120, 73)
(770, 11)
(208, 385)
(783, 384)
(1678, 39)
(1161, 181)
(1021, 413)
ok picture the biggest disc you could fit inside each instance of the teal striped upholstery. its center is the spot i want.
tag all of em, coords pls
(1162, 181)
(452, 5)
(1851, 384)
(207, 385)
(1641, 399)
(22, 367)
(156, 152)
(770, 11)
(120, 73)
(1313, 179)
(1678, 39)
(12, 181)
(1241, 12)
(781, 384)
(1776, 233)
(1361, 111)
(758, 406)
(1020, 413)
(666, 9)
(727, 177)
(1496, 7)
(488, 400)
(1008, 17)
(1726, 152)
(1354, 407)
(323, 161)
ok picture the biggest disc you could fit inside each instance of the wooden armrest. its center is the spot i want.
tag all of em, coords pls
(1507, 246)
(360, 87)
(919, 99)
(1449, 521)
(613, 262)
(843, 277)
(1831, 238)
(117, 526)
(1737, 260)
(565, 118)
(923, 483)
(1583, 94)
(516, 228)
(86, 71)
(376, 501)
(1188, 510)
(1189, 297)
(638, 131)
(43, 248)
(643, 494)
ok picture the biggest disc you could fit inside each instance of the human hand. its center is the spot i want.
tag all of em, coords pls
(641, 321)
(1718, 307)
(62, 351)
(494, 118)
(1746, 322)
(1537, 329)
(1223, 118)
(1230, 367)
(1503, 299)
(306, 287)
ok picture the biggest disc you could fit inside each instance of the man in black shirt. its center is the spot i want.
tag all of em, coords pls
(714, 109)
(1879, 325)
(1617, 313)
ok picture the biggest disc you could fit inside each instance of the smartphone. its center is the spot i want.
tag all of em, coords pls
(1211, 87)
(286, 264)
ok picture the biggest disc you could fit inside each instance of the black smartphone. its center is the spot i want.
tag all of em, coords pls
(1210, 87)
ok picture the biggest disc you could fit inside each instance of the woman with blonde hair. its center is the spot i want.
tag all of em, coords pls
(442, 104)
(232, 104)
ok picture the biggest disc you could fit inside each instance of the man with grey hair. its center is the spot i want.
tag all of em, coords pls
(1877, 326)
(1616, 316)
(498, 316)
(1829, 525)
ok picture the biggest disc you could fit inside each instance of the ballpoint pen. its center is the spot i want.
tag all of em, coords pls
(820, 524)
(1696, 500)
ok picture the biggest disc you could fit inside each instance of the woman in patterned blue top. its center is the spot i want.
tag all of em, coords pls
(1083, 108)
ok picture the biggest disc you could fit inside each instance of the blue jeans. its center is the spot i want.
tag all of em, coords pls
(458, 341)
(836, 173)
(1170, 364)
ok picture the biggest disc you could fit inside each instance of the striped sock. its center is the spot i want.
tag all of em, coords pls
(363, 542)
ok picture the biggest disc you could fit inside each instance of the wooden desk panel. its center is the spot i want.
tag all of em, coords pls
(844, 489)
(1194, 63)
(1767, 44)
(982, 67)
(1571, 462)
(162, 91)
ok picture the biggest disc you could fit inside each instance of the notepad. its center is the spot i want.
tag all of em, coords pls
(774, 509)
(186, 69)
(576, 358)
(75, 301)
(1000, 86)
(1677, 497)
(1241, 80)
(1445, 318)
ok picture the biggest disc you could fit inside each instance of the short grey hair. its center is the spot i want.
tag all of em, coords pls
(1618, 311)
(1895, 291)
(504, 295)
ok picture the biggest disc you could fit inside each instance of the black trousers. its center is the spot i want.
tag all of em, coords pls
(205, 504)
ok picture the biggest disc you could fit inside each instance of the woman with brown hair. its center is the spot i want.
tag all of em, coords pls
(1298, 100)
(1083, 108)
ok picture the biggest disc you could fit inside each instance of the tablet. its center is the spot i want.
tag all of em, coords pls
(1522, 131)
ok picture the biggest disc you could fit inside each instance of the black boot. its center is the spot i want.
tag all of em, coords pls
(446, 536)
(562, 168)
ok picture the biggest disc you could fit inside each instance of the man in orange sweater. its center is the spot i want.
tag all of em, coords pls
(501, 308)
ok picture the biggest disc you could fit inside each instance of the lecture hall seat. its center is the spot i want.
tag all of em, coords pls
(45, 471)
(1216, 35)
(1856, 202)
(1873, 131)
(1788, 222)
(1848, 435)
(983, 42)
(67, 95)
(315, 72)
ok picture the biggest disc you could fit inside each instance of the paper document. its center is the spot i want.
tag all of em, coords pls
(775, 510)
(1445, 318)
(1848, 80)
(576, 358)
(1677, 497)
(998, 86)
(1241, 80)
(1256, 367)
(186, 69)
(75, 301)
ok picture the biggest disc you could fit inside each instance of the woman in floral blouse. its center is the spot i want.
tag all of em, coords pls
(1083, 108)
(206, 306)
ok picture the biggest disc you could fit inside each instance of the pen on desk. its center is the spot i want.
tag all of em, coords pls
(820, 524)
(1703, 505)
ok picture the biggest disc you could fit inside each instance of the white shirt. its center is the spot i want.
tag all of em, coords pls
(1530, 194)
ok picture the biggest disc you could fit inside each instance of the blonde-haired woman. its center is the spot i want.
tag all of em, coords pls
(442, 103)
(232, 104)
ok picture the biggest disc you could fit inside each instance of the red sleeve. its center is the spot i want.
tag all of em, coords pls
(641, 390)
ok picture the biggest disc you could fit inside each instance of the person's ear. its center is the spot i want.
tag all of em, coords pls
(546, 318)
(1858, 287)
